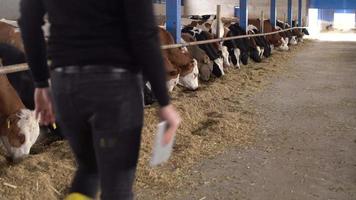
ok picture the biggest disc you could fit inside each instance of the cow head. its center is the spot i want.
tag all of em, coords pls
(293, 40)
(18, 133)
(226, 56)
(172, 74)
(255, 51)
(205, 68)
(11, 35)
(235, 58)
(218, 67)
(189, 77)
(283, 46)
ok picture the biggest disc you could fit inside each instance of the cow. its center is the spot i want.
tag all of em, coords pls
(233, 48)
(19, 128)
(256, 52)
(209, 49)
(288, 35)
(261, 41)
(275, 40)
(222, 50)
(21, 81)
(247, 46)
(23, 84)
(11, 35)
(210, 26)
(299, 32)
(180, 66)
(205, 65)
(179, 60)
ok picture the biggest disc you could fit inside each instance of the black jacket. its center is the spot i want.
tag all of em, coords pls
(84, 32)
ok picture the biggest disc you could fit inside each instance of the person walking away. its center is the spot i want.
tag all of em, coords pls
(99, 51)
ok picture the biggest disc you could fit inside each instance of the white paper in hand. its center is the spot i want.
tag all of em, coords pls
(161, 152)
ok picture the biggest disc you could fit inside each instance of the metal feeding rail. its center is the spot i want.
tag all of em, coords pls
(23, 67)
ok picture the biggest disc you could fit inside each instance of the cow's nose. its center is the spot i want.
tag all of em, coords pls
(15, 160)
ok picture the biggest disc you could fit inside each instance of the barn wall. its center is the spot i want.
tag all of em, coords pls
(9, 9)
(255, 7)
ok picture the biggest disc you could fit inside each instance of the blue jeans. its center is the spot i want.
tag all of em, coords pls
(100, 112)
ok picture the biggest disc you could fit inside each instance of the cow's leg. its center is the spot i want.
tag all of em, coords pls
(218, 67)
(235, 57)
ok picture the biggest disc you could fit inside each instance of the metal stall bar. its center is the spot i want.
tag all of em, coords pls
(218, 18)
(173, 13)
(24, 66)
(244, 14)
(273, 12)
(300, 7)
(290, 12)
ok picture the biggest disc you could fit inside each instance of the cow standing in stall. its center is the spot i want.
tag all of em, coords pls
(248, 46)
(288, 35)
(275, 40)
(205, 65)
(19, 128)
(21, 81)
(209, 49)
(209, 26)
(261, 41)
(233, 48)
(299, 32)
(181, 68)
(179, 60)
(11, 53)
(10, 34)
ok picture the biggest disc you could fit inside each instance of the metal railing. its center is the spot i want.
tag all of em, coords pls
(23, 67)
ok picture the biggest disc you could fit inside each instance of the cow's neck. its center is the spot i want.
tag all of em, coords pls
(10, 102)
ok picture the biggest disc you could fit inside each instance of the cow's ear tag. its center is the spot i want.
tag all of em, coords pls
(8, 124)
(54, 126)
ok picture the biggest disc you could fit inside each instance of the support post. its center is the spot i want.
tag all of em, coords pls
(173, 13)
(273, 15)
(300, 8)
(262, 22)
(244, 14)
(290, 12)
(218, 18)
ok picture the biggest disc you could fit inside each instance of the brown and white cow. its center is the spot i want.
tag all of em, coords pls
(179, 60)
(210, 26)
(275, 39)
(10, 34)
(288, 35)
(19, 128)
(205, 65)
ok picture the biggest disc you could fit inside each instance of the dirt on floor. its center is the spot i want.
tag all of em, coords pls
(215, 118)
(305, 136)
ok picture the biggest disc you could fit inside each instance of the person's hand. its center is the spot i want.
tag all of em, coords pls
(43, 106)
(171, 116)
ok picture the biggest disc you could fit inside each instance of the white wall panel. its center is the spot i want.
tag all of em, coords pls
(9, 9)
(201, 7)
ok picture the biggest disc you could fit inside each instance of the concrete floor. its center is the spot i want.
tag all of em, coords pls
(306, 136)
